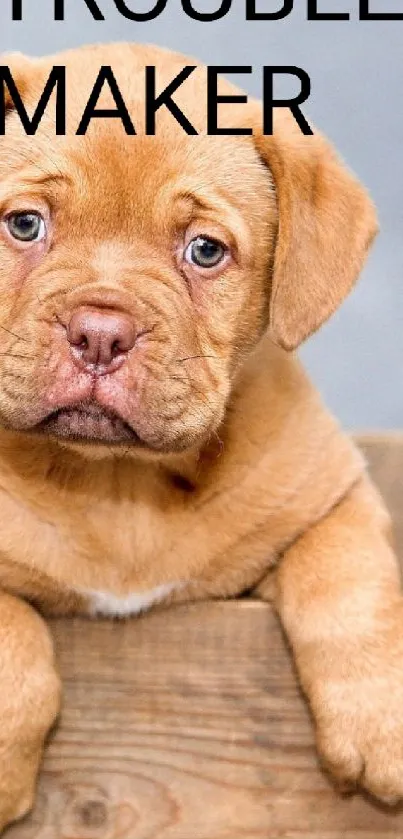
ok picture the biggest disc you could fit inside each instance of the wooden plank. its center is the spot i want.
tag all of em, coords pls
(188, 724)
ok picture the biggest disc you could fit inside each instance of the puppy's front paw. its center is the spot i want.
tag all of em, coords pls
(18, 774)
(360, 733)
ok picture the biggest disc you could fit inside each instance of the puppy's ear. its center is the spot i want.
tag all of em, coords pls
(326, 225)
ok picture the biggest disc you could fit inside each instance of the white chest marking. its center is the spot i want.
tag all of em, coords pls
(104, 603)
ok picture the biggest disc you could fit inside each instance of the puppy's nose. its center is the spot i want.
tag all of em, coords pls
(100, 338)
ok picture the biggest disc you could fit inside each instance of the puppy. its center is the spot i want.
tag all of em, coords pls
(159, 440)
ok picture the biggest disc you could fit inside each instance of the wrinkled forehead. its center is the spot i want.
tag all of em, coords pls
(111, 172)
(112, 175)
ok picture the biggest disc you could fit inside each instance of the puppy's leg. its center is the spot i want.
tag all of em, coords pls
(29, 703)
(338, 595)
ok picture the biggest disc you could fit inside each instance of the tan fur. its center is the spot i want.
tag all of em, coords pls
(243, 466)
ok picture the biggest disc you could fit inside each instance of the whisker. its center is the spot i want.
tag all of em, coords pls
(17, 355)
(191, 357)
(219, 441)
(9, 331)
(193, 387)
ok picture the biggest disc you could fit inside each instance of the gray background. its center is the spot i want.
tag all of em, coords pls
(356, 70)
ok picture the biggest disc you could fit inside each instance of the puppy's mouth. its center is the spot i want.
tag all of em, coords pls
(88, 423)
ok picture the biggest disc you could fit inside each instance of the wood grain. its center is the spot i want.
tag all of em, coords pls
(188, 724)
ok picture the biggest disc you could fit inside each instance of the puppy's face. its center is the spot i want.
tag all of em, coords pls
(137, 273)
(133, 279)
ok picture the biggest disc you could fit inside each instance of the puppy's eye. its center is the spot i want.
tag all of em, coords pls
(26, 226)
(205, 252)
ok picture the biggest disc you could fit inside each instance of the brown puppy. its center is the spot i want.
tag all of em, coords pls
(158, 440)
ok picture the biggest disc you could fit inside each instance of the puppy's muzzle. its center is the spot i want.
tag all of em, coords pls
(100, 339)
(87, 396)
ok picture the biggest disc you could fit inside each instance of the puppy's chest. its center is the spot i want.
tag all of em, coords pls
(108, 604)
(132, 565)
(112, 559)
